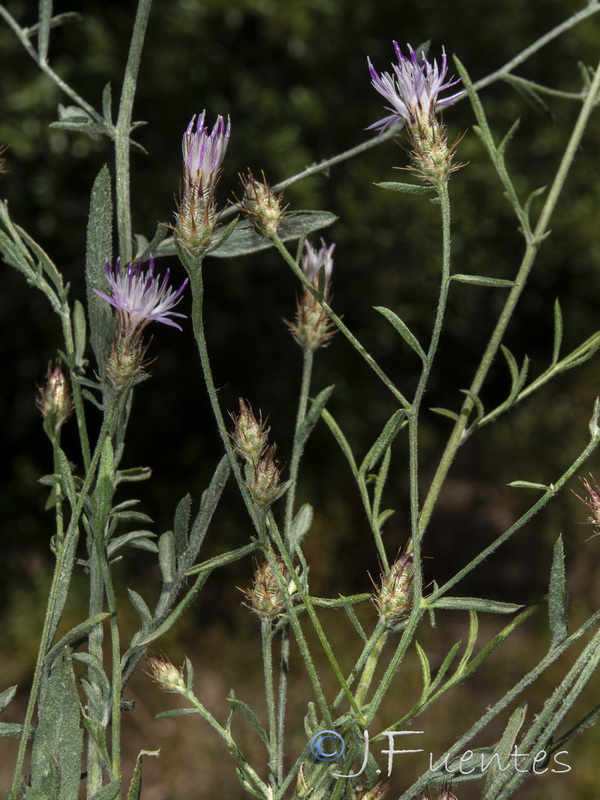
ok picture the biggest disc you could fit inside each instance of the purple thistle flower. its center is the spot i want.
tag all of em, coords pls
(140, 297)
(314, 259)
(203, 153)
(413, 89)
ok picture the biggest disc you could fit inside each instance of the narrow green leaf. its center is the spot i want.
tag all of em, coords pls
(132, 538)
(12, 729)
(208, 504)
(107, 104)
(132, 475)
(406, 188)
(508, 136)
(558, 332)
(384, 440)
(166, 556)
(445, 412)
(504, 748)
(98, 251)
(189, 674)
(476, 400)
(558, 597)
(66, 476)
(313, 416)
(223, 560)
(341, 440)
(44, 261)
(135, 788)
(6, 697)
(58, 740)
(175, 712)
(529, 485)
(105, 485)
(79, 330)
(425, 670)
(536, 193)
(181, 525)
(140, 606)
(300, 526)
(244, 239)
(481, 280)
(403, 330)
(476, 604)
(78, 632)
(445, 666)
(251, 717)
(111, 791)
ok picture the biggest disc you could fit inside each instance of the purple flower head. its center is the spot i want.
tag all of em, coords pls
(203, 152)
(140, 297)
(314, 259)
(412, 90)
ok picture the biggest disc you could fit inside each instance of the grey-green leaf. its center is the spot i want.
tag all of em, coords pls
(98, 251)
(406, 188)
(300, 526)
(482, 280)
(135, 787)
(313, 416)
(250, 716)
(6, 697)
(558, 597)
(476, 604)
(58, 740)
(79, 329)
(109, 792)
(403, 330)
(384, 440)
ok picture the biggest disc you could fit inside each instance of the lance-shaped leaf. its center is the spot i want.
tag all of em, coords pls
(558, 597)
(245, 240)
(406, 188)
(58, 740)
(403, 330)
(98, 251)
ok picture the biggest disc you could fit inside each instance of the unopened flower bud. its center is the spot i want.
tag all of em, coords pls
(312, 327)
(261, 205)
(203, 154)
(592, 502)
(265, 485)
(265, 596)
(166, 674)
(394, 596)
(249, 436)
(54, 400)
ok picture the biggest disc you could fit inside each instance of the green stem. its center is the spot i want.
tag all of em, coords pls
(274, 744)
(194, 269)
(96, 651)
(369, 670)
(541, 231)
(123, 129)
(115, 644)
(338, 322)
(282, 585)
(232, 747)
(307, 363)
(460, 745)
(60, 578)
(283, 683)
(21, 34)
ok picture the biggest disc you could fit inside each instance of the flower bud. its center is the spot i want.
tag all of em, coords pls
(54, 401)
(592, 502)
(394, 596)
(166, 674)
(261, 205)
(313, 328)
(249, 436)
(265, 486)
(265, 597)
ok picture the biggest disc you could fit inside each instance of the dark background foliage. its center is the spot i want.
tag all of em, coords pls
(292, 76)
